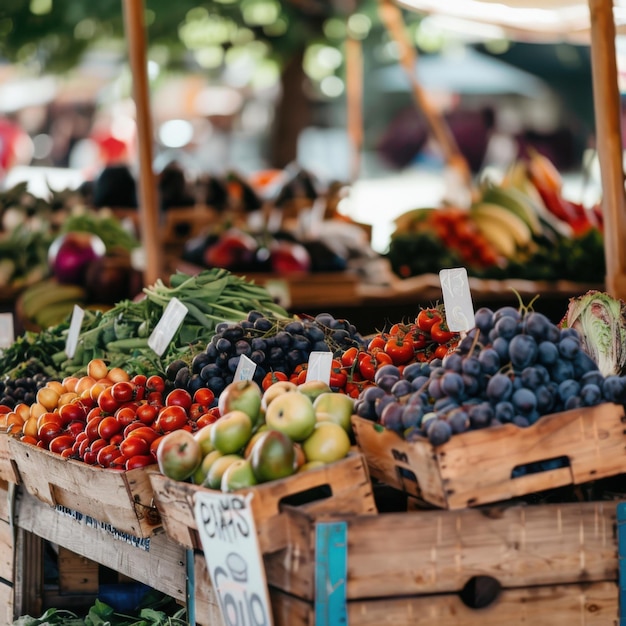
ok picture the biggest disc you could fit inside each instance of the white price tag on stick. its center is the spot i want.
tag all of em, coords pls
(457, 299)
(74, 331)
(231, 549)
(319, 365)
(245, 368)
(167, 326)
(7, 332)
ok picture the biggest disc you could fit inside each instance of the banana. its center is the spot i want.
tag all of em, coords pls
(519, 230)
(45, 298)
(497, 234)
(514, 201)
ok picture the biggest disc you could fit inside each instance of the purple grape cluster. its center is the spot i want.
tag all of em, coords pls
(515, 366)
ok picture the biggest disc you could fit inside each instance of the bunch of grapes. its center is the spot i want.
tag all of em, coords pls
(273, 344)
(22, 389)
(513, 367)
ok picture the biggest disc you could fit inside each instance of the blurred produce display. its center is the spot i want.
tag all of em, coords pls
(520, 227)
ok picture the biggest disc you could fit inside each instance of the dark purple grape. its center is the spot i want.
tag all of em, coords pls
(583, 363)
(209, 371)
(300, 342)
(402, 387)
(371, 394)
(458, 420)
(567, 389)
(294, 327)
(445, 404)
(561, 370)
(420, 383)
(522, 351)
(483, 318)
(506, 327)
(452, 385)
(382, 402)
(472, 385)
(591, 394)
(199, 361)
(489, 361)
(573, 402)
(412, 416)
(366, 410)
(569, 347)
(547, 353)
(233, 332)
(391, 416)
(263, 324)
(471, 366)
(504, 411)
(325, 319)
(499, 387)
(258, 356)
(412, 371)
(501, 346)
(439, 432)
(524, 401)
(434, 389)
(243, 347)
(506, 311)
(223, 345)
(614, 389)
(545, 399)
(521, 421)
(254, 315)
(536, 325)
(452, 362)
(569, 332)
(387, 370)
(216, 384)
(534, 375)
(480, 415)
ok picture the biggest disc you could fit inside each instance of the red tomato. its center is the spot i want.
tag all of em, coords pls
(441, 333)
(272, 377)
(29, 439)
(170, 418)
(117, 438)
(96, 411)
(76, 428)
(107, 402)
(5, 409)
(123, 391)
(67, 453)
(47, 432)
(204, 396)
(400, 349)
(212, 415)
(196, 411)
(154, 445)
(118, 463)
(108, 427)
(155, 383)
(70, 412)
(440, 351)
(179, 397)
(92, 428)
(60, 443)
(139, 380)
(83, 446)
(427, 318)
(146, 413)
(125, 415)
(350, 356)
(156, 398)
(145, 432)
(140, 460)
(106, 454)
(132, 446)
(377, 341)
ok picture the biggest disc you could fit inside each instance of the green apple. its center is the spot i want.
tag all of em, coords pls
(231, 432)
(276, 389)
(292, 414)
(327, 443)
(314, 388)
(178, 455)
(238, 475)
(199, 476)
(335, 407)
(255, 437)
(272, 456)
(242, 395)
(203, 437)
(217, 469)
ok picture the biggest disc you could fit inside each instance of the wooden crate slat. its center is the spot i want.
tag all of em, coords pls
(6, 603)
(77, 574)
(430, 552)
(348, 479)
(121, 498)
(593, 604)
(7, 545)
(161, 565)
(475, 467)
(8, 470)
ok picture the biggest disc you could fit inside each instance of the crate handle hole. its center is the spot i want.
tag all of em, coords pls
(480, 591)
(537, 467)
(313, 494)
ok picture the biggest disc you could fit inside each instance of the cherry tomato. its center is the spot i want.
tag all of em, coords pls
(118, 463)
(146, 413)
(154, 445)
(212, 415)
(170, 418)
(108, 427)
(420, 340)
(47, 432)
(204, 396)
(179, 397)
(338, 376)
(125, 415)
(272, 377)
(350, 356)
(123, 391)
(76, 428)
(60, 443)
(139, 380)
(117, 438)
(140, 460)
(145, 432)
(440, 351)
(377, 341)
(92, 428)
(427, 318)
(441, 333)
(107, 402)
(156, 398)
(196, 411)
(400, 349)
(155, 383)
(71, 412)
(132, 446)
(106, 454)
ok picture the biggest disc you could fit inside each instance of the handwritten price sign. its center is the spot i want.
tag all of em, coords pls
(229, 540)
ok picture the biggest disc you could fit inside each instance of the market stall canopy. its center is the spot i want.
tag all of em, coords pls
(463, 71)
(528, 20)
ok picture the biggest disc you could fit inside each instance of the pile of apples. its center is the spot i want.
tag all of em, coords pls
(261, 436)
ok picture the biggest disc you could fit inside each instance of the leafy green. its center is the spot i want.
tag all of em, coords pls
(600, 320)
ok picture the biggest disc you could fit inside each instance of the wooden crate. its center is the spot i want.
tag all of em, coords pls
(593, 604)
(8, 470)
(122, 499)
(6, 534)
(341, 487)
(6, 603)
(476, 467)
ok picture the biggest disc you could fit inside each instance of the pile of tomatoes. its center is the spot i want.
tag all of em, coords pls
(114, 422)
(425, 338)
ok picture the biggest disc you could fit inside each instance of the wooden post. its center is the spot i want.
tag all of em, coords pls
(148, 208)
(606, 99)
(391, 17)
(354, 103)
